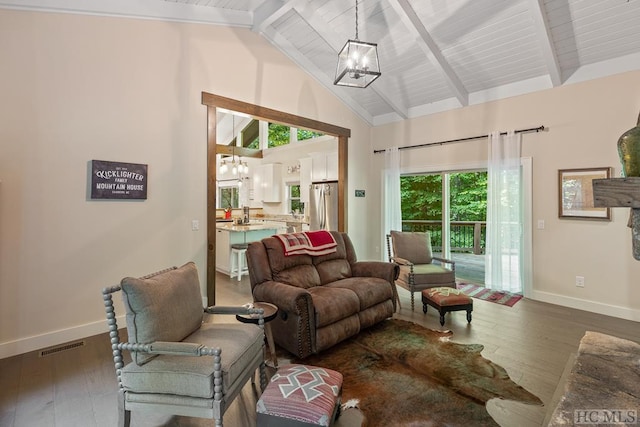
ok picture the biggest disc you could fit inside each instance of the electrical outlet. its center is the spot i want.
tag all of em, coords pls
(541, 224)
(580, 281)
(195, 225)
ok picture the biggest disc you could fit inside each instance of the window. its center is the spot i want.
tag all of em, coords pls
(281, 135)
(293, 193)
(452, 206)
(307, 134)
(228, 196)
(278, 135)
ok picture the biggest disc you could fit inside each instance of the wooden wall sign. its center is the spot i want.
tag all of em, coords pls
(116, 180)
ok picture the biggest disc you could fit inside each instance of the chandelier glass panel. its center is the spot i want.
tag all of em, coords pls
(358, 64)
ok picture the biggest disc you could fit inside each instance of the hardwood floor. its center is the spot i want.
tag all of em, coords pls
(531, 340)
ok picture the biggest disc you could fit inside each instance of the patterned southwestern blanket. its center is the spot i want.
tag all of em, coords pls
(308, 242)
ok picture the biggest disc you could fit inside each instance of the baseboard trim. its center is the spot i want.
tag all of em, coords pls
(37, 342)
(586, 305)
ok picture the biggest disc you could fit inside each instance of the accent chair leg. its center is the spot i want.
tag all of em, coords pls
(263, 376)
(124, 416)
(412, 303)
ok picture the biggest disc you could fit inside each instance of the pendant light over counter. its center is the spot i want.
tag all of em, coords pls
(238, 167)
(357, 62)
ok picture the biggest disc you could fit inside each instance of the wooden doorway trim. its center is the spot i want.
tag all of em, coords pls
(213, 102)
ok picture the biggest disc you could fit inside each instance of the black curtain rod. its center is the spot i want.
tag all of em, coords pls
(538, 129)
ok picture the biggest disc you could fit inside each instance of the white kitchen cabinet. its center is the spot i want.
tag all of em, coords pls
(256, 188)
(305, 179)
(324, 167)
(271, 182)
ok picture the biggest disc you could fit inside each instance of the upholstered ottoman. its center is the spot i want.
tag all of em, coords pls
(300, 395)
(445, 300)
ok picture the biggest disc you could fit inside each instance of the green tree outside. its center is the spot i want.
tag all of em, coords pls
(278, 135)
(421, 199)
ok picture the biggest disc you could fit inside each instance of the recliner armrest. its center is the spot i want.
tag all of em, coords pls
(401, 261)
(383, 270)
(281, 294)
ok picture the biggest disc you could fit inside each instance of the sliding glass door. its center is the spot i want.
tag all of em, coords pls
(452, 206)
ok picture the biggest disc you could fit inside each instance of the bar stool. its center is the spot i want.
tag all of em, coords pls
(238, 257)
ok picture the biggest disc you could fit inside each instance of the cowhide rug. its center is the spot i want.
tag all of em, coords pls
(399, 373)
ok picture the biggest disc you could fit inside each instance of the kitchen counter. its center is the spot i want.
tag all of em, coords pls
(286, 218)
(261, 225)
(291, 223)
(228, 233)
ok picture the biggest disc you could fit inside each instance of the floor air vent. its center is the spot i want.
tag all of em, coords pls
(59, 348)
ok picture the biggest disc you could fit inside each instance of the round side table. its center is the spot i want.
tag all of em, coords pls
(270, 312)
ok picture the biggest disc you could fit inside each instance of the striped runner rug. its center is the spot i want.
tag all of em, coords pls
(499, 297)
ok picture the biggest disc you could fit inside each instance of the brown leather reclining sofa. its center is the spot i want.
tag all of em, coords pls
(322, 299)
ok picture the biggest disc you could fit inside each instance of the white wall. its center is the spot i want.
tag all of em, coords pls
(76, 88)
(584, 122)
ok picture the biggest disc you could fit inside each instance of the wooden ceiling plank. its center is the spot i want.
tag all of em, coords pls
(426, 43)
(269, 12)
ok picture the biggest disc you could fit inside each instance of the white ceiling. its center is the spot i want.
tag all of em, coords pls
(434, 55)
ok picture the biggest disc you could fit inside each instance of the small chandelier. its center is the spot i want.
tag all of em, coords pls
(357, 62)
(223, 166)
(236, 168)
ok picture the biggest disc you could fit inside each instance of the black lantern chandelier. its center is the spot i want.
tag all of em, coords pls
(357, 62)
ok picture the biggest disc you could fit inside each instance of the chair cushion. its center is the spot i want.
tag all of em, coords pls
(333, 270)
(333, 304)
(370, 290)
(193, 376)
(446, 297)
(428, 274)
(333, 266)
(412, 246)
(162, 307)
(295, 270)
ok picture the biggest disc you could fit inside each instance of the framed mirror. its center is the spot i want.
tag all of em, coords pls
(575, 193)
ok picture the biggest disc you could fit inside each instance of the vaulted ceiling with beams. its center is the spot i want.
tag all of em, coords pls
(434, 55)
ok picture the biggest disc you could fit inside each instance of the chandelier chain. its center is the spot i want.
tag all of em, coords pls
(357, 20)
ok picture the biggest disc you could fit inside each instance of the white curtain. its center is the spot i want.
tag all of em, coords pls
(392, 214)
(503, 261)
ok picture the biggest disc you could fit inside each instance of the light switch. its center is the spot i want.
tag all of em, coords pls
(541, 224)
(195, 225)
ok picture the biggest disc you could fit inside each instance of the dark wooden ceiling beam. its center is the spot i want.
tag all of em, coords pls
(274, 116)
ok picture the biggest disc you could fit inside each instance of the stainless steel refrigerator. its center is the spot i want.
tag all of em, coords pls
(323, 206)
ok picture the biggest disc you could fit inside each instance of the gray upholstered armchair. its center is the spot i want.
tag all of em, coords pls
(419, 269)
(167, 336)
